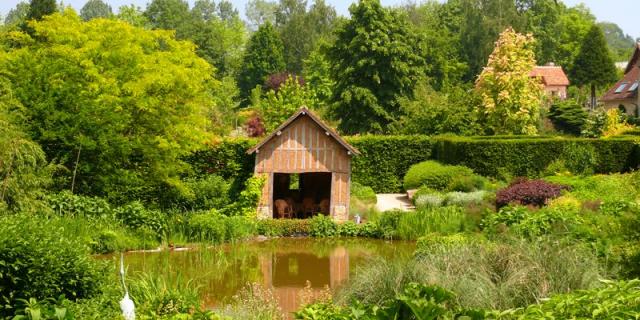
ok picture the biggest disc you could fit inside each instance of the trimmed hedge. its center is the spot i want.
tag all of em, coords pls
(384, 160)
(529, 157)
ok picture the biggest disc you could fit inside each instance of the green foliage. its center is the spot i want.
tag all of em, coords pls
(120, 123)
(40, 8)
(568, 116)
(283, 227)
(322, 226)
(134, 215)
(513, 156)
(263, 56)
(216, 228)
(95, 9)
(279, 105)
(247, 203)
(430, 112)
(36, 261)
(67, 204)
(593, 65)
(435, 241)
(363, 194)
(155, 297)
(442, 220)
(384, 160)
(24, 171)
(533, 224)
(375, 60)
(511, 98)
(615, 300)
(434, 175)
(416, 301)
(208, 192)
(481, 274)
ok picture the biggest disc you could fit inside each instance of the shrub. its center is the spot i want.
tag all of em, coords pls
(322, 226)
(433, 175)
(37, 262)
(528, 192)
(579, 158)
(155, 297)
(557, 219)
(207, 227)
(136, 216)
(68, 204)
(433, 200)
(283, 227)
(466, 183)
(348, 229)
(363, 193)
(568, 116)
(209, 192)
(247, 203)
(387, 223)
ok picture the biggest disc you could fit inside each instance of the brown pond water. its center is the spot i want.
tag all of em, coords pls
(284, 265)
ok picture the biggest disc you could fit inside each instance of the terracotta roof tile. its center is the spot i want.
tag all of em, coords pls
(551, 75)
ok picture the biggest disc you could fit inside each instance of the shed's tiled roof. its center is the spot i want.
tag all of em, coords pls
(551, 75)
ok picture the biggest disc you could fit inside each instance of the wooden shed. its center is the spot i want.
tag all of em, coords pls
(308, 170)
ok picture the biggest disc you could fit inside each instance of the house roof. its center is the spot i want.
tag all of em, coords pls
(302, 112)
(631, 77)
(551, 75)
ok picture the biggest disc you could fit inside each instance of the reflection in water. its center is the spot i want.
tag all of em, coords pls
(285, 265)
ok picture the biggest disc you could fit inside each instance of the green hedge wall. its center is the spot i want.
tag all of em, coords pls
(529, 157)
(384, 160)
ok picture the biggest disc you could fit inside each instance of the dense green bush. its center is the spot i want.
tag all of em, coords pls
(568, 116)
(36, 261)
(384, 160)
(322, 226)
(134, 215)
(283, 227)
(364, 194)
(68, 204)
(216, 228)
(206, 193)
(434, 175)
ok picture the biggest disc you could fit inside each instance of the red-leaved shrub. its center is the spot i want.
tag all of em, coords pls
(528, 192)
(255, 127)
(276, 80)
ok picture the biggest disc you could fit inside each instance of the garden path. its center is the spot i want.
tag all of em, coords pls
(391, 201)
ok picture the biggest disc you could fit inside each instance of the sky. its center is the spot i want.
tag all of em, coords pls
(623, 12)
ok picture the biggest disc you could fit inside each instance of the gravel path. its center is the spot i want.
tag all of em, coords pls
(390, 201)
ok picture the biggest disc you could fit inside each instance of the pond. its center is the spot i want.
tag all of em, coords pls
(286, 265)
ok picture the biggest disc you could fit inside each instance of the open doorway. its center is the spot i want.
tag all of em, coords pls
(301, 195)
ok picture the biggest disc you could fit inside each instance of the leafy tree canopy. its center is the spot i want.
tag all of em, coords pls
(95, 9)
(41, 8)
(510, 97)
(118, 104)
(375, 60)
(263, 56)
(17, 15)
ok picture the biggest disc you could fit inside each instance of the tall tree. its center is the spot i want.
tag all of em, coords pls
(41, 8)
(510, 97)
(593, 66)
(300, 28)
(375, 60)
(134, 16)
(126, 119)
(17, 15)
(264, 56)
(95, 9)
(259, 12)
(621, 44)
(170, 15)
